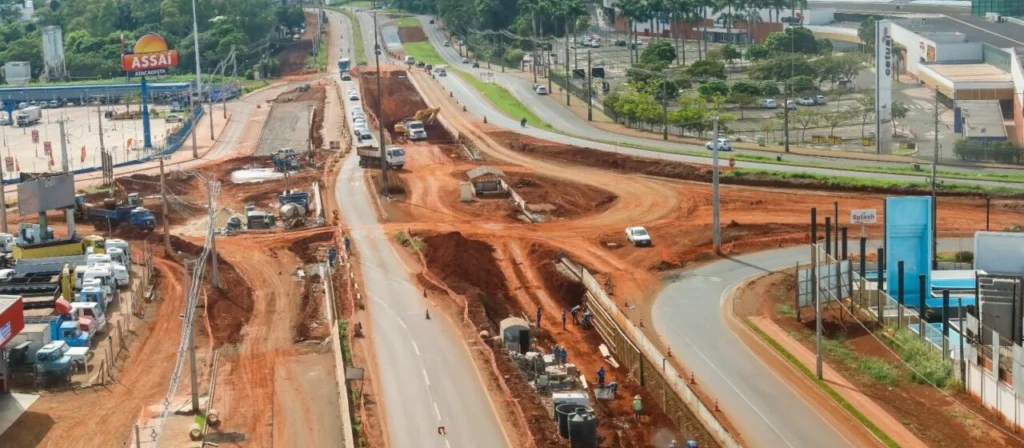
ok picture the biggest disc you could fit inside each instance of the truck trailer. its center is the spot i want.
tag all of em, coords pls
(28, 116)
(369, 156)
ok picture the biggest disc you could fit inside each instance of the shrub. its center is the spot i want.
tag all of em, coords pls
(980, 151)
(964, 256)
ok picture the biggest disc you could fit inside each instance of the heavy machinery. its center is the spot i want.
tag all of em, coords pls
(369, 156)
(110, 214)
(285, 160)
(28, 116)
(413, 128)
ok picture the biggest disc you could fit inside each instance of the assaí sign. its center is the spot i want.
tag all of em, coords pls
(150, 56)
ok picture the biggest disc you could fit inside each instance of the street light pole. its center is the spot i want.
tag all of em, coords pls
(716, 235)
(384, 189)
(590, 90)
(935, 204)
(199, 73)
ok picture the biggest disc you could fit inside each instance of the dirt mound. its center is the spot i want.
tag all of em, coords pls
(401, 101)
(312, 324)
(411, 34)
(316, 92)
(468, 267)
(569, 199)
(229, 307)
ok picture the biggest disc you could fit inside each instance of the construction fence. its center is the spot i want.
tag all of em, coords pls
(644, 362)
(986, 363)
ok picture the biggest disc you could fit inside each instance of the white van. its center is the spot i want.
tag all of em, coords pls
(97, 283)
(119, 257)
(409, 60)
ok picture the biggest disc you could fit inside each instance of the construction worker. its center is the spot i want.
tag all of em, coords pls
(348, 245)
(586, 318)
(638, 407)
(600, 377)
(574, 311)
(613, 387)
(691, 444)
(538, 317)
(563, 318)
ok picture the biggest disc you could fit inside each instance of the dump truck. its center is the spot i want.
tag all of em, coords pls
(28, 116)
(139, 217)
(414, 127)
(369, 156)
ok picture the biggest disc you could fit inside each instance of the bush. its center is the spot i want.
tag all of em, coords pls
(769, 88)
(514, 57)
(980, 151)
(964, 256)
(927, 366)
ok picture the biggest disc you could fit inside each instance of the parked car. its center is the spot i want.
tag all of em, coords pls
(353, 96)
(446, 44)
(409, 60)
(820, 100)
(723, 144)
(638, 236)
(54, 104)
(420, 64)
(768, 103)
(363, 134)
(465, 60)
(790, 105)
(172, 118)
(806, 101)
(790, 20)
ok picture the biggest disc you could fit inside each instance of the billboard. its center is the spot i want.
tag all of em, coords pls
(149, 56)
(883, 83)
(46, 193)
(999, 252)
(908, 238)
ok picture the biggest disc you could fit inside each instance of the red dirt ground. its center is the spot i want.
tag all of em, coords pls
(400, 101)
(411, 34)
(928, 413)
(294, 56)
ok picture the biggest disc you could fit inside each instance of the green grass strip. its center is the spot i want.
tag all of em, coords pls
(407, 22)
(504, 100)
(859, 183)
(319, 62)
(888, 441)
(424, 52)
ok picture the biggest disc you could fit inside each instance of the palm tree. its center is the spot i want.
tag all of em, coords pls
(726, 9)
(655, 11)
(684, 12)
(632, 10)
(753, 13)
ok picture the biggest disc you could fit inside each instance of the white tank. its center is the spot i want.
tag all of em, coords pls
(292, 210)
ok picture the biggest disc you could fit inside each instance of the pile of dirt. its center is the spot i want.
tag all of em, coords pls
(468, 267)
(401, 101)
(569, 199)
(316, 92)
(229, 307)
(679, 170)
(411, 34)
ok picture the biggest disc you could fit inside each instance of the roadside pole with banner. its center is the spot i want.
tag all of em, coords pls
(863, 217)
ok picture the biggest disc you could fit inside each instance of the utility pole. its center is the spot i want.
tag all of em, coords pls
(99, 126)
(664, 110)
(192, 110)
(63, 147)
(590, 90)
(547, 65)
(935, 204)
(191, 337)
(785, 119)
(213, 189)
(163, 199)
(568, 74)
(199, 72)
(716, 232)
(816, 296)
(3, 202)
(384, 188)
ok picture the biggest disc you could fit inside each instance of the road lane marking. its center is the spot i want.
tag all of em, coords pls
(437, 411)
(415, 347)
(426, 378)
(402, 323)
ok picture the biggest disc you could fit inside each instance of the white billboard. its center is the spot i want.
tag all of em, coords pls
(883, 85)
(53, 53)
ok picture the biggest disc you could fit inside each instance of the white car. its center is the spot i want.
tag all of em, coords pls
(638, 236)
(172, 118)
(363, 134)
(806, 101)
(359, 123)
(352, 96)
(542, 90)
(768, 103)
(465, 60)
(723, 144)
(357, 108)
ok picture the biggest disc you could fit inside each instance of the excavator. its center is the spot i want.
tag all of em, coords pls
(424, 116)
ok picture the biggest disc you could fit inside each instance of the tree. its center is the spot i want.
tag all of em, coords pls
(801, 84)
(711, 88)
(805, 118)
(706, 69)
(899, 112)
(757, 52)
(866, 33)
(730, 53)
(835, 119)
(769, 88)
(746, 88)
(792, 40)
(866, 108)
(780, 67)
(658, 52)
(743, 100)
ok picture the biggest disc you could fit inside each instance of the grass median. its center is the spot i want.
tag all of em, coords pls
(835, 396)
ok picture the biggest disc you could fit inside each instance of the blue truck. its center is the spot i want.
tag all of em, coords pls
(344, 64)
(111, 214)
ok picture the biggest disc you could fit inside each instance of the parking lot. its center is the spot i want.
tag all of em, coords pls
(124, 138)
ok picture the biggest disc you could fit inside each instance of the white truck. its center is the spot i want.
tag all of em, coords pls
(415, 130)
(28, 116)
(91, 314)
(117, 243)
(369, 156)
(638, 236)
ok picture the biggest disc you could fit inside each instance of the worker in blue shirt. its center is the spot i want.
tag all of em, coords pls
(600, 377)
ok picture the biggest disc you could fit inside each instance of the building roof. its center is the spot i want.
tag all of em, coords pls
(976, 29)
(7, 301)
(482, 171)
(984, 119)
(971, 73)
